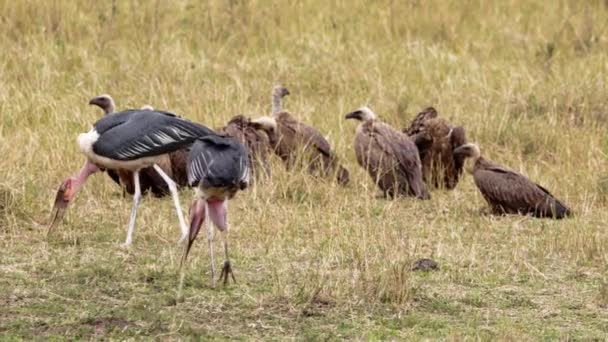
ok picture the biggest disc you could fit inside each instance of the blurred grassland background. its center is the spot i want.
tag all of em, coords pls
(314, 261)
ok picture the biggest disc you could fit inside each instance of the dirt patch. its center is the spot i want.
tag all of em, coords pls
(103, 325)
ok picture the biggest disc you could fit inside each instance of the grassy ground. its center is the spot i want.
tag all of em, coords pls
(313, 260)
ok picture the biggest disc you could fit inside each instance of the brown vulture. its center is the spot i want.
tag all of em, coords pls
(174, 165)
(295, 141)
(389, 156)
(509, 192)
(255, 138)
(436, 140)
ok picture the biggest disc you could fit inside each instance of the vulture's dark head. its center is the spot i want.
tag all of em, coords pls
(429, 112)
(361, 114)
(469, 150)
(422, 139)
(280, 91)
(104, 102)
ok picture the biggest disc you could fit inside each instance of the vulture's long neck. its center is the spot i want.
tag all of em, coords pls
(110, 108)
(474, 162)
(277, 104)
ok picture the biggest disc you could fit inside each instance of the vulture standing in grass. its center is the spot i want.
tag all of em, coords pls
(255, 139)
(509, 192)
(217, 168)
(174, 163)
(436, 140)
(131, 140)
(295, 141)
(389, 156)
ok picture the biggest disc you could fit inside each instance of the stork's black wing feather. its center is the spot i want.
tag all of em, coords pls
(136, 134)
(218, 161)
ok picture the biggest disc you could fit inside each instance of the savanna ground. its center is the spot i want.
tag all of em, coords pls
(313, 260)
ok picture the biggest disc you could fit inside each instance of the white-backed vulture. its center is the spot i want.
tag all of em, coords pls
(509, 192)
(296, 141)
(389, 156)
(174, 165)
(254, 138)
(436, 140)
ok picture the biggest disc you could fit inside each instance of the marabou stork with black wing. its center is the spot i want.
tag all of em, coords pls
(218, 167)
(131, 140)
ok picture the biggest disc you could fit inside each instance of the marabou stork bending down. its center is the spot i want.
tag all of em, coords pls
(131, 140)
(174, 163)
(218, 168)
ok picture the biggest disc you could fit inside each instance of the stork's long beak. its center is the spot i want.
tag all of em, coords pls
(197, 217)
(354, 115)
(59, 207)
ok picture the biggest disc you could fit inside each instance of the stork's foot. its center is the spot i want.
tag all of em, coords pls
(226, 271)
(126, 245)
(182, 239)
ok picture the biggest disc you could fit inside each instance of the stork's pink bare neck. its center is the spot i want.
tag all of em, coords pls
(218, 211)
(77, 182)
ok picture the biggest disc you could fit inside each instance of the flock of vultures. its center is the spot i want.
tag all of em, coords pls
(157, 152)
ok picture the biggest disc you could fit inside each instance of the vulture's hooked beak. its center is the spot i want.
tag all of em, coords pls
(59, 207)
(467, 150)
(462, 150)
(354, 115)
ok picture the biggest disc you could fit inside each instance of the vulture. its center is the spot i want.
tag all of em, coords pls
(436, 140)
(293, 141)
(174, 163)
(509, 192)
(255, 138)
(389, 156)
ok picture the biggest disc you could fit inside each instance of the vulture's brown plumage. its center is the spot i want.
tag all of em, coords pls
(295, 141)
(174, 164)
(255, 139)
(417, 124)
(436, 140)
(389, 156)
(509, 192)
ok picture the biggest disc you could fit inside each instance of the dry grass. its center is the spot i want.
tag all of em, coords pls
(313, 260)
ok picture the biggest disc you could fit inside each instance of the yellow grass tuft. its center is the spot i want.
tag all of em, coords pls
(313, 260)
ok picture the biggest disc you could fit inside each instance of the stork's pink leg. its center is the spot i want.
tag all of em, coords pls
(218, 212)
(67, 191)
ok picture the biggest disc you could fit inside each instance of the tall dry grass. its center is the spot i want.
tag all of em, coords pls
(313, 260)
